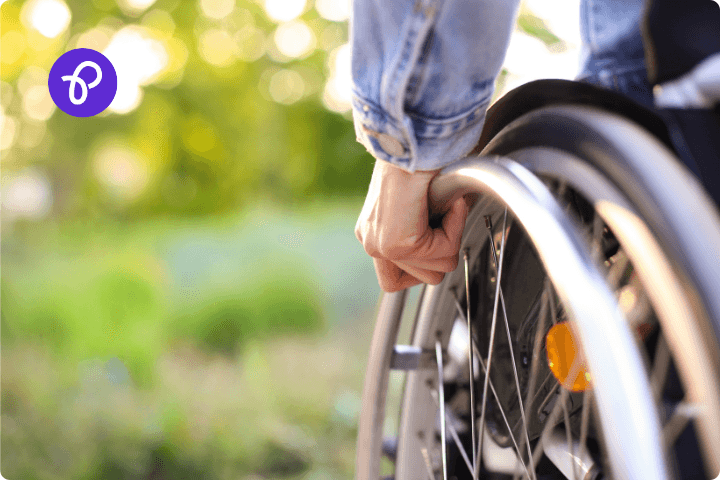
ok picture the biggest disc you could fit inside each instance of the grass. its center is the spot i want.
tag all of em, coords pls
(208, 349)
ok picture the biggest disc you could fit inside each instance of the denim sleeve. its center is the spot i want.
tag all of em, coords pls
(423, 75)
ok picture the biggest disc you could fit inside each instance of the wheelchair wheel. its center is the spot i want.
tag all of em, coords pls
(591, 265)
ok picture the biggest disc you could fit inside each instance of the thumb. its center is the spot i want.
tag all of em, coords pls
(453, 223)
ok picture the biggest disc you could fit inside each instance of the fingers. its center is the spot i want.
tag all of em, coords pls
(423, 265)
(394, 229)
(445, 264)
(430, 277)
(391, 277)
(453, 223)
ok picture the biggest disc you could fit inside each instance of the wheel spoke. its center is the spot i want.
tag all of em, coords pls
(597, 231)
(492, 338)
(488, 224)
(684, 412)
(535, 365)
(441, 390)
(568, 435)
(553, 307)
(661, 365)
(450, 419)
(585, 419)
(495, 395)
(428, 463)
(617, 269)
(470, 367)
(557, 409)
(548, 397)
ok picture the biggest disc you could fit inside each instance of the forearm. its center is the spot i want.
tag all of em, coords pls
(423, 75)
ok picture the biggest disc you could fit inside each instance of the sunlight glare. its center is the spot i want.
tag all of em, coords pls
(138, 60)
(333, 10)
(284, 10)
(49, 17)
(294, 39)
(28, 195)
(561, 16)
(336, 96)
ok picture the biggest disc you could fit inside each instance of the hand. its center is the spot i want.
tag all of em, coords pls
(394, 229)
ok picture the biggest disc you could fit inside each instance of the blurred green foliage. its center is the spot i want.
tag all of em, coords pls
(536, 27)
(212, 143)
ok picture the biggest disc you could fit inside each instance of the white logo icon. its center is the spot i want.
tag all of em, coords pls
(75, 79)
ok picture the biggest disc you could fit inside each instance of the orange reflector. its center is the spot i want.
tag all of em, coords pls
(561, 350)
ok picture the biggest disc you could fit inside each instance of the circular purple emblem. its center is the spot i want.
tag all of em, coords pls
(82, 82)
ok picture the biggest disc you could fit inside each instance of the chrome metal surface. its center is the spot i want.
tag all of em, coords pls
(410, 357)
(677, 310)
(370, 425)
(512, 351)
(441, 393)
(471, 369)
(559, 452)
(450, 423)
(619, 377)
(690, 236)
(492, 338)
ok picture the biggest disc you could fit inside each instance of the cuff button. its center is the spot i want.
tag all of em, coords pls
(390, 145)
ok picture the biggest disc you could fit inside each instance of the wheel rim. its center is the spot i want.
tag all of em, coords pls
(413, 410)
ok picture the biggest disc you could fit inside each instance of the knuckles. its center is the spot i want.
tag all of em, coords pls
(396, 249)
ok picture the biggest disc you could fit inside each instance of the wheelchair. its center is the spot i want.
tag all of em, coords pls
(579, 336)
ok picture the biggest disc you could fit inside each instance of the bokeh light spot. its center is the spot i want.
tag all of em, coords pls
(30, 77)
(332, 36)
(6, 94)
(286, 86)
(160, 21)
(138, 59)
(8, 129)
(135, 8)
(27, 195)
(251, 43)
(284, 10)
(294, 39)
(13, 46)
(121, 170)
(217, 9)
(336, 96)
(95, 38)
(333, 10)
(49, 17)
(31, 134)
(217, 47)
(37, 103)
(178, 54)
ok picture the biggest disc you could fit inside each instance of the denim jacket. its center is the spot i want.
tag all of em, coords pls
(424, 71)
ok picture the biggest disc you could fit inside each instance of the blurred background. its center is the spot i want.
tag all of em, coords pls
(183, 295)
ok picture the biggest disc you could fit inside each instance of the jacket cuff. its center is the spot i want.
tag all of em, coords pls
(417, 143)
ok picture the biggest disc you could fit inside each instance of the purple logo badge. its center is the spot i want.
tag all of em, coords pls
(82, 82)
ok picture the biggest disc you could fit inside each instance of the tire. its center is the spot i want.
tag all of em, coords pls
(562, 172)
